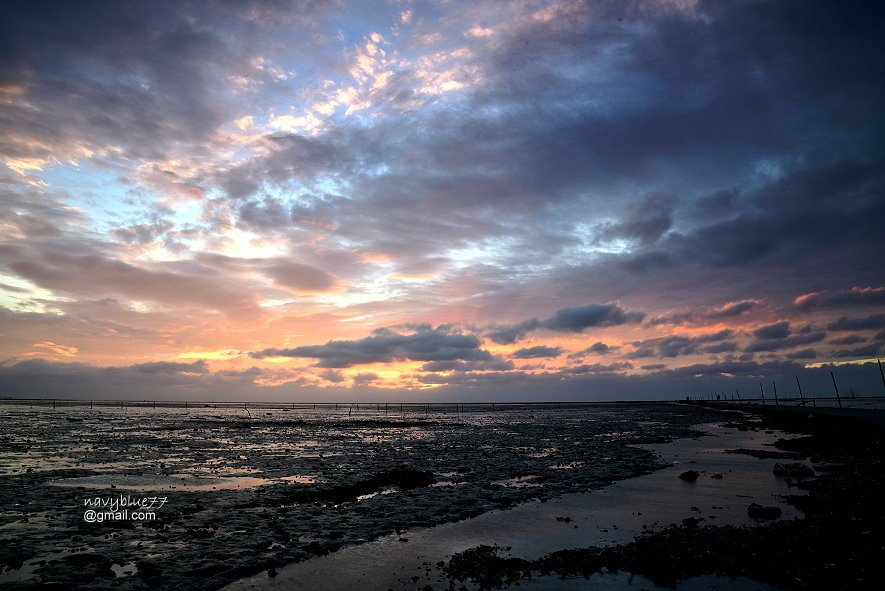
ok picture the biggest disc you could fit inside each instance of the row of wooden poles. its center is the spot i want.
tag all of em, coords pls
(460, 407)
(799, 386)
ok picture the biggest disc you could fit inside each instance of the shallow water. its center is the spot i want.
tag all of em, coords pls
(611, 515)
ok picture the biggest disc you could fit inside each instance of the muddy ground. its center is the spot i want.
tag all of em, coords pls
(250, 492)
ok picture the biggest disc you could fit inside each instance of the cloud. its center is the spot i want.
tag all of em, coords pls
(865, 323)
(727, 310)
(300, 278)
(851, 339)
(95, 275)
(779, 335)
(442, 343)
(574, 320)
(803, 354)
(600, 348)
(645, 221)
(860, 352)
(851, 298)
(778, 330)
(168, 367)
(158, 80)
(539, 351)
(56, 349)
(678, 345)
(732, 309)
(332, 376)
(456, 365)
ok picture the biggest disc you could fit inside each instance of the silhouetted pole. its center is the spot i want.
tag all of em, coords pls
(763, 393)
(800, 390)
(881, 373)
(739, 395)
(776, 403)
(837, 389)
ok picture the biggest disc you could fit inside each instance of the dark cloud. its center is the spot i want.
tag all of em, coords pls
(851, 339)
(725, 311)
(333, 376)
(38, 378)
(142, 78)
(777, 336)
(442, 343)
(457, 365)
(732, 309)
(860, 352)
(364, 378)
(645, 221)
(864, 323)
(778, 330)
(600, 348)
(678, 345)
(568, 320)
(597, 368)
(168, 367)
(724, 347)
(802, 354)
(850, 298)
(538, 351)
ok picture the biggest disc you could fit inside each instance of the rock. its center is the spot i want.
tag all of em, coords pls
(692, 521)
(758, 511)
(689, 475)
(793, 470)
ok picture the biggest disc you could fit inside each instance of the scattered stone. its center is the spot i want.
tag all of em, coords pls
(757, 511)
(689, 475)
(793, 470)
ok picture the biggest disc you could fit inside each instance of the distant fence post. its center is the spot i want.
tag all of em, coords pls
(773, 383)
(739, 395)
(837, 389)
(800, 390)
(763, 393)
(881, 373)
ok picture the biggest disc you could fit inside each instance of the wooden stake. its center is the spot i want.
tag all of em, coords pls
(763, 393)
(837, 389)
(800, 390)
(775, 393)
(881, 373)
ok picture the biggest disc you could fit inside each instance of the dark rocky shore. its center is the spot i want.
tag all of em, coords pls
(839, 545)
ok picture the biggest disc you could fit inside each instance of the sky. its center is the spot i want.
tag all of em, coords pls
(441, 200)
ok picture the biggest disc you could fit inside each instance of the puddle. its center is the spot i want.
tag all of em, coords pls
(124, 570)
(371, 495)
(627, 581)
(180, 482)
(518, 482)
(298, 479)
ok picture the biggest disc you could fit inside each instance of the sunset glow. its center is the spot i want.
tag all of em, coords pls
(438, 200)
